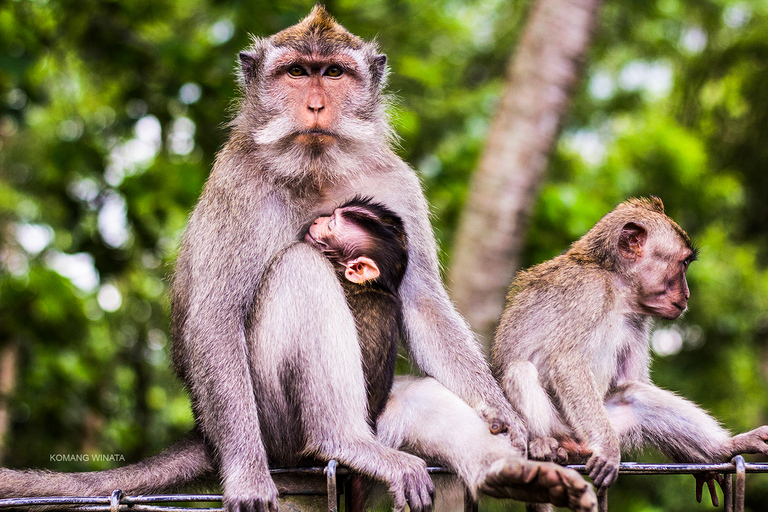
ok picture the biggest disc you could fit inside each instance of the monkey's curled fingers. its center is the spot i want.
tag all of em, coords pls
(261, 496)
(412, 486)
(539, 482)
(710, 479)
(547, 449)
(603, 467)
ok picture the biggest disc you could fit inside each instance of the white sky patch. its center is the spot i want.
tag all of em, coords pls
(86, 190)
(667, 342)
(136, 154)
(601, 85)
(113, 221)
(430, 166)
(181, 140)
(221, 31)
(479, 17)
(78, 268)
(655, 78)
(589, 144)
(693, 39)
(15, 261)
(109, 298)
(189, 93)
(34, 237)
(157, 339)
(737, 15)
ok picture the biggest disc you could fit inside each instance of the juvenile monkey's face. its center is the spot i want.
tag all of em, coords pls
(663, 286)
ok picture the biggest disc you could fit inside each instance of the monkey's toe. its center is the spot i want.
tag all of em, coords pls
(539, 482)
(544, 448)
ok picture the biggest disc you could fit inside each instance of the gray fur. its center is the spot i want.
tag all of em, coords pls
(263, 337)
(572, 350)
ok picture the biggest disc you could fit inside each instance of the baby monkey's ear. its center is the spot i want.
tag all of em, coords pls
(360, 270)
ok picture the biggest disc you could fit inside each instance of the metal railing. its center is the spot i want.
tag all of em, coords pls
(734, 488)
(298, 481)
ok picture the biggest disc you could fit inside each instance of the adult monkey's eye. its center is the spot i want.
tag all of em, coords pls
(333, 71)
(297, 71)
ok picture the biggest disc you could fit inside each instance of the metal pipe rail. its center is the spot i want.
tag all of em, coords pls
(734, 489)
(303, 481)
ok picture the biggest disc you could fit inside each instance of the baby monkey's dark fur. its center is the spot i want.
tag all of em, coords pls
(374, 303)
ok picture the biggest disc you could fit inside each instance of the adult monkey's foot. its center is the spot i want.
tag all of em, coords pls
(539, 482)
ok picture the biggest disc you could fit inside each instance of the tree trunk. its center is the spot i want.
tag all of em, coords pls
(9, 355)
(504, 188)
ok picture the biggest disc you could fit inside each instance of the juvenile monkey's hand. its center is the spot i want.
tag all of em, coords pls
(252, 493)
(547, 449)
(603, 466)
(411, 485)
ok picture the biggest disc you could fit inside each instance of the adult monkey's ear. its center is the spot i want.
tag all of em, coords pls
(632, 240)
(360, 270)
(378, 69)
(249, 65)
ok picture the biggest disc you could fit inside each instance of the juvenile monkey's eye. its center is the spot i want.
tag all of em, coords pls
(296, 71)
(334, 71)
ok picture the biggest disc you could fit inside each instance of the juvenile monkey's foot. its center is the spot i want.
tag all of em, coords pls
(709, 479)
(539, 482)
(547, 449)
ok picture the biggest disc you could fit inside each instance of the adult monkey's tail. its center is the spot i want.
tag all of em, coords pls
(184, 462)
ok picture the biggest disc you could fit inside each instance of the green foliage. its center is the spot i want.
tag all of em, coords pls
(113, 111)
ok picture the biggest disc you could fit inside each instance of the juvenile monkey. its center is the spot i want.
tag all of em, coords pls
(572, 349)
(366, 244)
(263, 337)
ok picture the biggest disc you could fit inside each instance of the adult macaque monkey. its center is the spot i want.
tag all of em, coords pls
(572, 349)
(262, 335)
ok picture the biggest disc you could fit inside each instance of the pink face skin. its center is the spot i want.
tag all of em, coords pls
(318, 87)
(659, 265)
(324, 228)
(663, 289)
(335, 232)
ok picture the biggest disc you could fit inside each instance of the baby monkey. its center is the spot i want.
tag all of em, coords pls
(366, 243)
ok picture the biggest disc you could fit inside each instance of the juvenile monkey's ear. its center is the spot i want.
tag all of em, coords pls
(249, 63)
(632, 240)
(360, 270)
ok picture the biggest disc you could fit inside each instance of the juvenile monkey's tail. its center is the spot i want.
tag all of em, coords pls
(185, 462)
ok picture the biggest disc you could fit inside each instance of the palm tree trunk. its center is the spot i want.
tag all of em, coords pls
(504, 188)
(9, 356)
